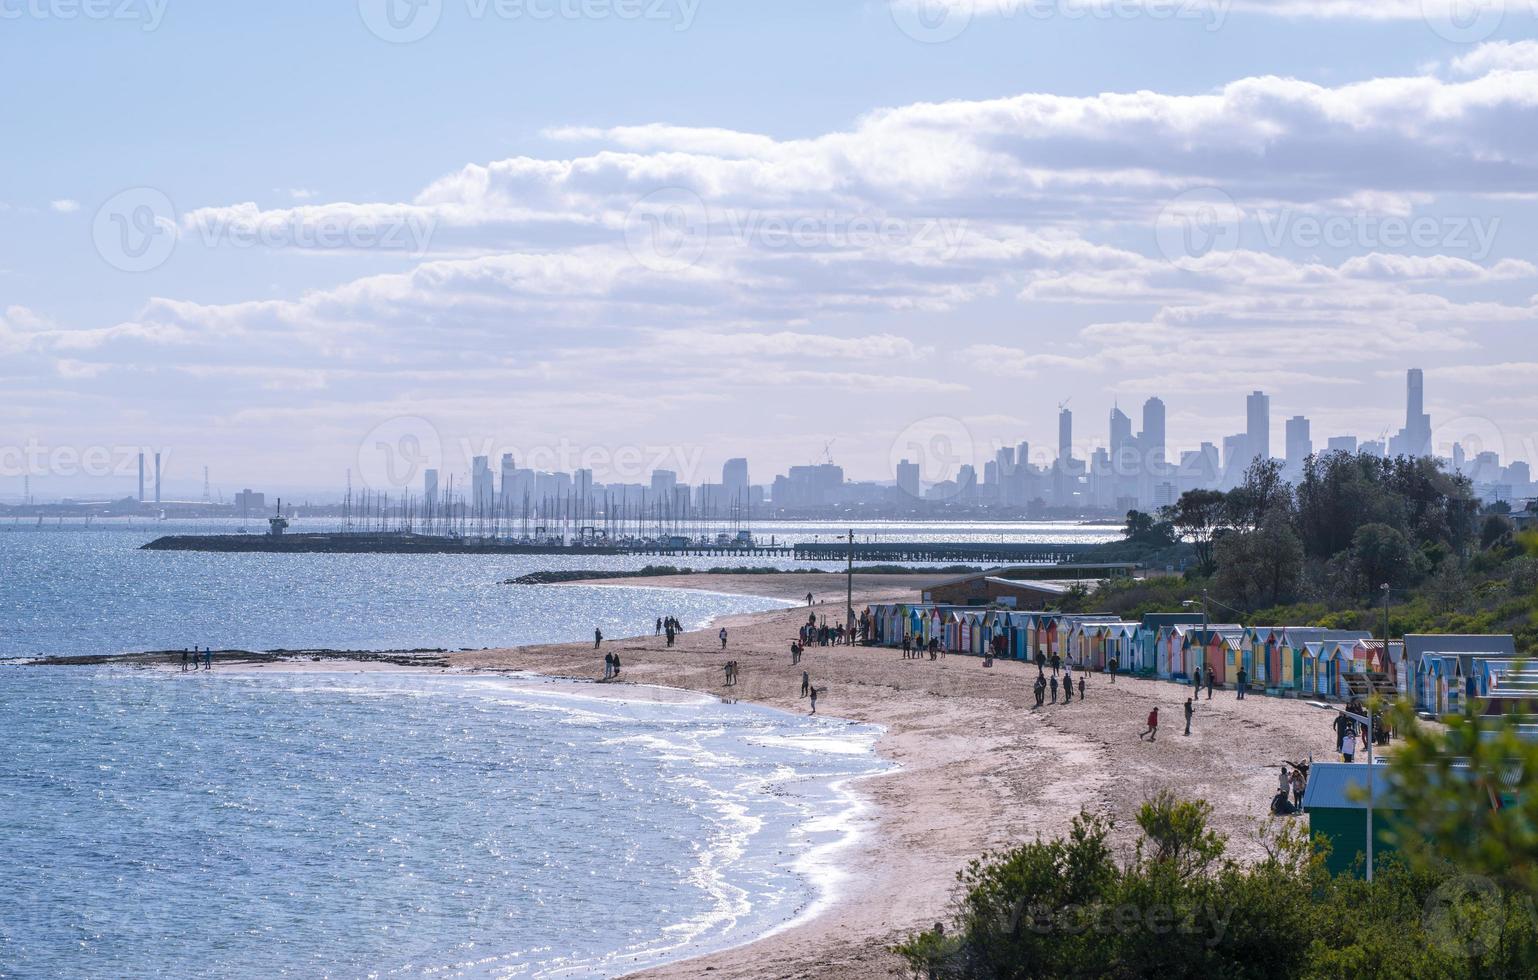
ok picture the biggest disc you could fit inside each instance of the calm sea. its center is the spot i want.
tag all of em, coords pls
(368, 824)
(72, 589)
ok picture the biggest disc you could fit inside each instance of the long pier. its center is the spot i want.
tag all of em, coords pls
(892, 552)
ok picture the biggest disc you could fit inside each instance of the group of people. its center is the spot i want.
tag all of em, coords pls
(1290, 783)
(190, 659)
(823, 635)
(672, 627)
(610, 666)
(731, 673)
(912, 651)
(1044, 683)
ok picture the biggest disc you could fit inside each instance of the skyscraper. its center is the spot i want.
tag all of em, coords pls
(1300, 444)
(430, 491)
(509, 479)
(1064, 436)
(908, 479)
(482, 498)
(141, 478)
(734, 485)
(1151, 451)
(1415, 438)
(1258, 431)
(157, 478)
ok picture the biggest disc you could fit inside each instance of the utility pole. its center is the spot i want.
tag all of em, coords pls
(849, 581)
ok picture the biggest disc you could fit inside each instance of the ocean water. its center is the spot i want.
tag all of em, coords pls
(69, 589)
(84, 591)
(267, 825)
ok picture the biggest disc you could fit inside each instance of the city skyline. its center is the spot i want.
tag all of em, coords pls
(681, 241)
(1093, 472)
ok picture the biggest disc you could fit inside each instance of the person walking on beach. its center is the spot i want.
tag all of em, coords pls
(814, 700)
(722, 634)
(208, 658)
(1041, 661)
(608, 666)
(1196, 680)
(659, 627)
(1298, 785)
(1067, 689)
(1244, 682)
(808, 600)
(671, 634)
(728, 668)
(806, 683)
(1040, 688)
(1081, 685)
(1110, 668)
(184, 660)
(1057, 664)
(1054, 689)
(1209, 682)
(1348, 745)
(597, 639)
(616, 663)
(1189, 709)
(1152, 732)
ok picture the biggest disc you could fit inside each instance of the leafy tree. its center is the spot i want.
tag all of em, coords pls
(1263, 492)
(1198, 516)
(1262, 567)
(1381, 554)
(1495, 531)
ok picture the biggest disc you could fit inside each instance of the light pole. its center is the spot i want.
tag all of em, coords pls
(1386, 593)
(1368, 722)
(1188, 603)
(849, 586)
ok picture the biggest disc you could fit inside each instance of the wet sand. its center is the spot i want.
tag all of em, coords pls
(980, 767)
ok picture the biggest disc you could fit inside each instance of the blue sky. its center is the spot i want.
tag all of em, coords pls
(864, 234)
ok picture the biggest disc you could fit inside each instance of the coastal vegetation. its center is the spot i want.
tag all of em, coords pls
(1320, 552)
(1455, 899)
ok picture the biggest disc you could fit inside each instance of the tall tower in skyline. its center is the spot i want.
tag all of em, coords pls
(157, 478)
(1258, 430)
(734, 484)
(141, 477)
(1152, 450)
(1300, 443)
(1415, 438)
(1064, 435)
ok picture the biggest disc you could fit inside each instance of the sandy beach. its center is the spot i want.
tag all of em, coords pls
(980, 767)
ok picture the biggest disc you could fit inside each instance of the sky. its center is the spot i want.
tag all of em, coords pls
(294, 242)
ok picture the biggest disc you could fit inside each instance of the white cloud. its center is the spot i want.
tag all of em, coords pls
(65, 206)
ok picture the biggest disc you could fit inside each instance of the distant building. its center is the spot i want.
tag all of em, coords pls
(430, 490)
(908, 479)
(250, 502)
(1300, 444)
(1258, 430)
(1415, 438)
(1341, 444)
